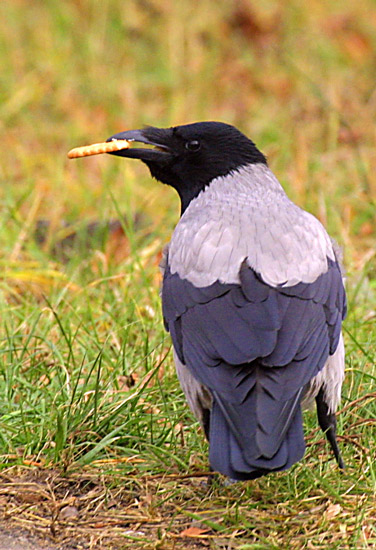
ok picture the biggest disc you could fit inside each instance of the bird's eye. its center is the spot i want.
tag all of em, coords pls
(193, 145)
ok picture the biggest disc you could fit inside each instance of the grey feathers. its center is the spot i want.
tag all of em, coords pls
(247, 215)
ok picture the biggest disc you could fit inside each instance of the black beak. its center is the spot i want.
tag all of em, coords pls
(160, 153)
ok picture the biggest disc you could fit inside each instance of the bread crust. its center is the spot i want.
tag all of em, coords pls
(98, 148)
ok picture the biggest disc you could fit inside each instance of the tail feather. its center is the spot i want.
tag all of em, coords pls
(228, 457)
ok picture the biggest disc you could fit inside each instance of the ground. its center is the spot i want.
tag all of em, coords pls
(97, 446)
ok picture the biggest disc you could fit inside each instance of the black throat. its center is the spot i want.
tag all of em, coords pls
(190, 178)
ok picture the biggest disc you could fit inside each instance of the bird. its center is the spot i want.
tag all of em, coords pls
(253, 297)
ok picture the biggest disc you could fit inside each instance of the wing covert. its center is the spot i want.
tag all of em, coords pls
(256, 347)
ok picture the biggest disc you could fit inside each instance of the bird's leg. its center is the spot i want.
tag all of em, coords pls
(212, 478)
(328, 424)
(206, 422)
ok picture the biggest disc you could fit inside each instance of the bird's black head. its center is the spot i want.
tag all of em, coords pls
(189, 157)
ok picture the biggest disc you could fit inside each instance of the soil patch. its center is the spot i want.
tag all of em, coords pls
(40, 509)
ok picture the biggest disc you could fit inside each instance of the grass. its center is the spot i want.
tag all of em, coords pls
(91, 414)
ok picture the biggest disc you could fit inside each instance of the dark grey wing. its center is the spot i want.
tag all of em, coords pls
(255, 347)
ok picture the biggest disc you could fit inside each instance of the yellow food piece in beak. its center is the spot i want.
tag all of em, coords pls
(98, 148)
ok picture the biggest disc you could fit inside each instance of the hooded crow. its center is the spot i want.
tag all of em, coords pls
(252, 296)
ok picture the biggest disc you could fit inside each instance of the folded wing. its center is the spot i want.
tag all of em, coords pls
(255, 347)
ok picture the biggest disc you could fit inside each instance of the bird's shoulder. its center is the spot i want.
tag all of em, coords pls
(248, 216)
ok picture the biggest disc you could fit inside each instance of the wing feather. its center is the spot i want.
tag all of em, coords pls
(255, 347)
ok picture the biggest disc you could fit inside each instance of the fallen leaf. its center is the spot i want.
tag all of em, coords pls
(332, 511)
(193, 532)
(367, 228)
(349, 135)
(69, 513)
